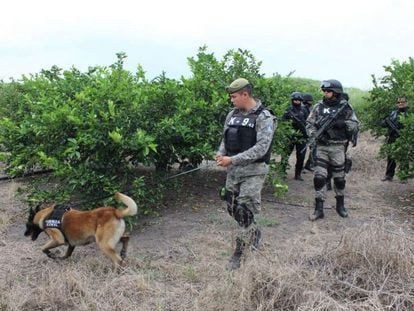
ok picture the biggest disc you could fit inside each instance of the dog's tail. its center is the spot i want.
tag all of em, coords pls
(131, 206)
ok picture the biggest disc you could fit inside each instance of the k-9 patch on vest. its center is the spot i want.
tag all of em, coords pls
(246, 121)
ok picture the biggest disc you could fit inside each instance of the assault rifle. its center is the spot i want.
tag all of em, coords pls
(326, 123)
(298, 121)
(391, 124)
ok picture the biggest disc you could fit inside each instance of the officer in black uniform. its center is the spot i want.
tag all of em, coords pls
(308, 102)
(392, 122)
(297, 113)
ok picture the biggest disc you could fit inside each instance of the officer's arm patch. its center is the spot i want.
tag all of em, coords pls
(267, 113)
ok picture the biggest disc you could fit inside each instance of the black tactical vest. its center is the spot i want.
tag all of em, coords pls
(333, 133)
(54, 220)
(241, 133)
(395, 118)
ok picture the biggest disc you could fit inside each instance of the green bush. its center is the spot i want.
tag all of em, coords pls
(97, 129)
(81, 125)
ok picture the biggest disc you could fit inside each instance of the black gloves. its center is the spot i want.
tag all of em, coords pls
(340, 124)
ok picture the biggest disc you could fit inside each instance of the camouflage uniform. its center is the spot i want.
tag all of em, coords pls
(331, 148)
(245, 176)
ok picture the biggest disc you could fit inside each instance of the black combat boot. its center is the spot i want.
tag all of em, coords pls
(308, 166)
(235, 260)
(298, 175)
(256, 237)
(340, 206)
(387, 178)
(318, 214)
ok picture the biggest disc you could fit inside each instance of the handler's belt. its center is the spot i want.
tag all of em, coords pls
(55, 218)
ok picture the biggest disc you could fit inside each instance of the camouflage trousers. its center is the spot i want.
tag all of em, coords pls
(249, 190)
(332, 157)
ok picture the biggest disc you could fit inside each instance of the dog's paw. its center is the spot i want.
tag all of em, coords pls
(50, 255)
(122, 267)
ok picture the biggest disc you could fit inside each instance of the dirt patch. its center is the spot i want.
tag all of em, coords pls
(177, 259)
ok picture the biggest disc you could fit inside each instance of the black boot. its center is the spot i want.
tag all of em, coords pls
(256, 237)
(387, 178)
(308, 166)
(298, 175)
(235, 260)
(340, 207)
(318, 214)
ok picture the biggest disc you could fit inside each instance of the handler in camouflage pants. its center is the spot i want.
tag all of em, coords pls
(247, 191)
(245, 151)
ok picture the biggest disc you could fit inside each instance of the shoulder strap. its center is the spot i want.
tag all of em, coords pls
(263, 108)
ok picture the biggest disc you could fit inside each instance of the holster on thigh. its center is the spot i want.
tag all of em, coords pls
(348, 165)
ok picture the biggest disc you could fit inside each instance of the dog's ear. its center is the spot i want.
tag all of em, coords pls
(32, 213)
(32, 229)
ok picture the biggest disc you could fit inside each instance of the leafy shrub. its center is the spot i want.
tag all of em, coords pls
(98, 129)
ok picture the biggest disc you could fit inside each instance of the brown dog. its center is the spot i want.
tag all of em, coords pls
(105, 225)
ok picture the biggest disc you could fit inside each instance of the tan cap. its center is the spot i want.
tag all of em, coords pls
(237, 85)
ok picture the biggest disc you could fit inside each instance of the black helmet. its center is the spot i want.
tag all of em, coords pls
(345, 96)
(307, 97)
(332, 85)
(296, 95)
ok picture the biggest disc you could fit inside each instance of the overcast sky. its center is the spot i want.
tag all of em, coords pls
(347, 40)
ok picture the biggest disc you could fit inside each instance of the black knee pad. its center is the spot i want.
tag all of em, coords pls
(243, 215)
(319, 182)
(339, 183)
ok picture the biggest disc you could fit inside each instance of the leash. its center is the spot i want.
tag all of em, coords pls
(127, 190)
(29, 174)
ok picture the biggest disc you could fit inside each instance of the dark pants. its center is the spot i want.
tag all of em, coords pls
(391, 165)
(300, 156)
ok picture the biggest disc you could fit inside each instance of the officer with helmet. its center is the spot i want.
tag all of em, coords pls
(308, 101)
(331, 144)
(245, 152)
(296, 113)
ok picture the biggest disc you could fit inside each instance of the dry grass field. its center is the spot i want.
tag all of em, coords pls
(176, 261)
